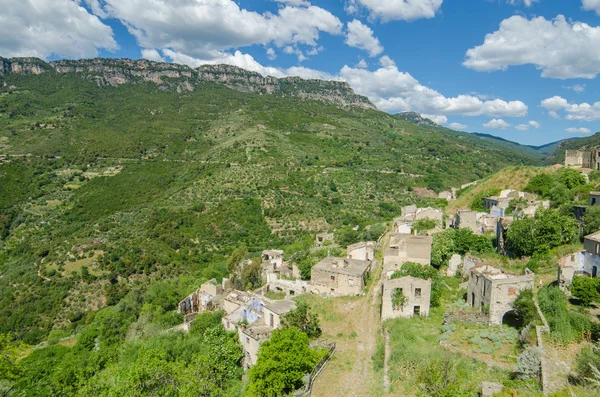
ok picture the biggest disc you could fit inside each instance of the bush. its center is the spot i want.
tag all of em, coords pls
(587, 359)
(586, 289)
(529, 363)
(566, 326)
(525, 308)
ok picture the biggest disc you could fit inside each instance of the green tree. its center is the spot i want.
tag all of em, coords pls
(571, 178)
(586, 289)
(282, 363)
(9, 353)
(251, 277)
(547, 230)
(540, 184)
(424, 225)
(477, 202)
(525, 308)
(302, 319)
(591, 220)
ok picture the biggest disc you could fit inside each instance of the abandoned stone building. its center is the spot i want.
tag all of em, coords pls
(252, 336)
(323, 239)
(277, 282)
(407, 248)
(417, 297)
(466, 219)
(272, 259)
(364, 251)
(585, 263)
(339, 276)
(588, 159)
(204, 298)
(242, 306)
(493, 291)
(402, 226)
(448, 195)
(412, 214)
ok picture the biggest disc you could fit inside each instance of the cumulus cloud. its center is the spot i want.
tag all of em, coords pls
(497, 124)
(271, 54)
(362, 64)
(591, 5)
(202, 28)
(247, 61)
(578, 130)
(525, 127)
(41, 28)
(573, 111)
(395, 91)
(294, 2)
(458, 126)
(405, 10)
(361, 36)
(559, 48)
(441, 120)
(152, 55)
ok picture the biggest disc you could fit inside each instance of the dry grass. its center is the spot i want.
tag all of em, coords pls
(509, 178)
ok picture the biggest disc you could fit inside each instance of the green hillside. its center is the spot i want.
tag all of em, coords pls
(105, 188)
(557, 156)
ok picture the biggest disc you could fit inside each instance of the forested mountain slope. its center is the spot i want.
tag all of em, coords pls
(111, 176)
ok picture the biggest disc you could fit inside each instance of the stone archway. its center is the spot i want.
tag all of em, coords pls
(512, 319)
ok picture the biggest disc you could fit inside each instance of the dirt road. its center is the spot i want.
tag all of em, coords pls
(355, 325)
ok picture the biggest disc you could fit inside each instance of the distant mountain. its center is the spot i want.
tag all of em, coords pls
(557, 150)
(487, 139)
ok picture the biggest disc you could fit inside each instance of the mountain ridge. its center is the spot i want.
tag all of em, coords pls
(182, 78)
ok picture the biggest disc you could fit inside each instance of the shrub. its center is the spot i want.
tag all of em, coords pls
(529, 363)
(586, 289)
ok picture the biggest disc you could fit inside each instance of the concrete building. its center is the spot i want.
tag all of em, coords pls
(447, 195)
(412, 214)
(322, 238)
(402, 226)
(418, 296)
(364, 251)
(242, 307)
(291, 288)
(339, 276)
(275, 310)
(493, 290)
(466, 219)
(574, 158)
(594, 198)
(407, 248)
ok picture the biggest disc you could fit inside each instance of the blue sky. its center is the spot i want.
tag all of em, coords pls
(525, 70)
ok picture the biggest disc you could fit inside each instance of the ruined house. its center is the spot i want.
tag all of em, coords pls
(277, 282)
(466, 219)
(242, 307)
(585, 159)
(254, 317)
(594, 198)
(339, 276)
(447, 195)
(493, 291)
(322, 238)
(407, 248)
(412, 214)
(417, 293)
(585, 263)
(203, 298)
(364, 251)
(272, 260)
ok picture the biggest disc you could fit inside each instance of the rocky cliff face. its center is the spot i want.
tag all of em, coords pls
(114, 72)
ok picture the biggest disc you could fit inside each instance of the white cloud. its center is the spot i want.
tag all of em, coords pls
(578, 88)
(152, 55)
(405, 10)
(573, 111)
(535, 124)
(246, 61)
(591, 5)
(395, 91)
(458, 126)
(295, 51)
(271, 54)
(578, 130)
(41, 28)
(522, 127)
(527, 3)
(361, 36)
(202, 28)
(497, 124)
(553, 114)
(296, 3)
(362, 64)
(559, 48)
(525, 127)
(441, 120)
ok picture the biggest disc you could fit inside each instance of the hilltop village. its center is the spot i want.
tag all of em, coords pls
(396, 272)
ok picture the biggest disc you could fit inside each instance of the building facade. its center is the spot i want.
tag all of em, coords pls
(417, 293)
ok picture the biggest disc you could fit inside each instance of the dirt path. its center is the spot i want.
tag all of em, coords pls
(355, 326)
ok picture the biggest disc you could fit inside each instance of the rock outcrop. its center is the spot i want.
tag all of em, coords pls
(171, 76)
